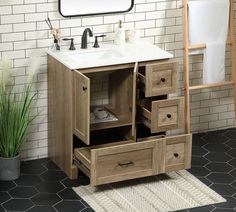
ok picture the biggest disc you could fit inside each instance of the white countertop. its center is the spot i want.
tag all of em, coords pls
(113, 55)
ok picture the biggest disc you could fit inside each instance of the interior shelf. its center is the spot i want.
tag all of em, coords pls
(122, 121)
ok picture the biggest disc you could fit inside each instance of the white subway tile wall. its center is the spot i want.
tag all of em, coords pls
(24, 34)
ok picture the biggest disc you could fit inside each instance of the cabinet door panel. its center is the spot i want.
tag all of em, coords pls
(81, 116)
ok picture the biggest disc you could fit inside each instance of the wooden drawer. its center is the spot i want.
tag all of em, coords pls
(118, 161)
(162, 115)
(159, 78)
(177, 151)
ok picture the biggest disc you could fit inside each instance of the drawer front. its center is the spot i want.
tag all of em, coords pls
(178, 153)
(124, 162)
(161, 78)
(167, 114)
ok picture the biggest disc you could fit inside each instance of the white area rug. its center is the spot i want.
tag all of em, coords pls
(170, 192)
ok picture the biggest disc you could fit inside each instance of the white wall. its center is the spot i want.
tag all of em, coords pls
(24, 33)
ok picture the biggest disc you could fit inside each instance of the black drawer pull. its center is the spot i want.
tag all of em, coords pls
(84, 88)
(176, 155)
(163, 79)
(125, 164)
(168, 116)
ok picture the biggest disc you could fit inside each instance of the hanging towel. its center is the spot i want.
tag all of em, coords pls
(208, 24)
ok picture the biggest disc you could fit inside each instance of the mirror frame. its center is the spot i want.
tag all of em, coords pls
(90, 14)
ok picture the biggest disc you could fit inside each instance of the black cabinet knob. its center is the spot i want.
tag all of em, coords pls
(176, 155)
(163, 79)
(168, 116)
(84, 88)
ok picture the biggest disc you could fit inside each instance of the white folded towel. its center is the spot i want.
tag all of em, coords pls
(208, 23)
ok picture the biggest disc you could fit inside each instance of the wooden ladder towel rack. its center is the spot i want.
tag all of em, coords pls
(187, 47)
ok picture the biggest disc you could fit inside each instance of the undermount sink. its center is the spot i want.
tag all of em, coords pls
(94, 55)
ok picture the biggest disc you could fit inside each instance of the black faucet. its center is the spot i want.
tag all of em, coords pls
(96, 40)
(84, 42)
(72, 46)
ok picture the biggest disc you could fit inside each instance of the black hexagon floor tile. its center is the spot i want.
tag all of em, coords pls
(231, 143)
(70, 183)
(218, 157)
(197, 139)
(215, 137)
(4, 196)
(85, 203)
(223, 189)
(72, 206)
(88, 210)
(28, 180)
(223, 210)
(217, 147)
(53, 175)
(46, 199)
(205, 181)
(220, 178)
(219, 167)
(22, 192)
(199, 161)
(230, 133)
(68, 194)
(232, 153)
(230, 203)
(199, 171)
(198, 151)
(82, 180)
(233, 173)
(1, 209)
(6, 185)
(234, 185)
(18, 205)
(42, 209)
(232, 162)
(50, 165)
(31, 167)
(50, 187)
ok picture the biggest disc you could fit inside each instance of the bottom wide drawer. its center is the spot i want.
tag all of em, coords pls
(117, 162)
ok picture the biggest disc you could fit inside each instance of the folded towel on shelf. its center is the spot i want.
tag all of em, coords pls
(208, 23)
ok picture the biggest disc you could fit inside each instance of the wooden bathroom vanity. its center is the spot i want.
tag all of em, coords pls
(135, 144)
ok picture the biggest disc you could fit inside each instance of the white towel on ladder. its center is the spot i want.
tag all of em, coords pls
(208, 23)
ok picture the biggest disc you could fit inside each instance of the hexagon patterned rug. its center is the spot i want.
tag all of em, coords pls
(168, 192)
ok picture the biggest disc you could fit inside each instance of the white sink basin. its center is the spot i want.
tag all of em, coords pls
(93, 55)
(109, 54)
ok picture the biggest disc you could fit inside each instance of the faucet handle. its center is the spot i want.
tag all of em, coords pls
(72, 46)
(96, 40)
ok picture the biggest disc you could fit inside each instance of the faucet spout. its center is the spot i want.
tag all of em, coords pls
(84, 41)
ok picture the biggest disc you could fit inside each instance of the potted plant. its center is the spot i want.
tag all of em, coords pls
(15, 119)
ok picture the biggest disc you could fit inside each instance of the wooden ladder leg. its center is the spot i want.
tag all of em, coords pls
(186, 65)
(232, 50)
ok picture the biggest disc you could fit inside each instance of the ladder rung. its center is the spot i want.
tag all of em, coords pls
(195, 87)
(203, 46)
(197, 46)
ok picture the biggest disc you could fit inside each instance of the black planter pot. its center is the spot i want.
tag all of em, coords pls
(9, 168)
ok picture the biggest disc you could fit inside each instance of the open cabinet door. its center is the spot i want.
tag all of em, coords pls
(134, 105)
(81, 119)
